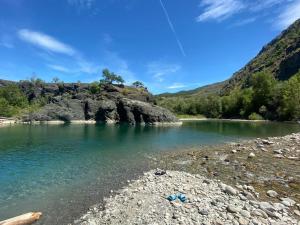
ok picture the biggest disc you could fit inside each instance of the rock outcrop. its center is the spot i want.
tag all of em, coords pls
(75, 101)
(110, 111)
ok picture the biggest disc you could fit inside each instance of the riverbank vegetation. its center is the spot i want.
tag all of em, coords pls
(265, 98)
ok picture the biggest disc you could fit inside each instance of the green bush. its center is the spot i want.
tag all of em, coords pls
(12, 100)
(255, 116)
(95, 88)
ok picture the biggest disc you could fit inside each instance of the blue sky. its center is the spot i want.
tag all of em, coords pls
(170, 45)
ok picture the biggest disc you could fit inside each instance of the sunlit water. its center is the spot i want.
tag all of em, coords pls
(61, 170)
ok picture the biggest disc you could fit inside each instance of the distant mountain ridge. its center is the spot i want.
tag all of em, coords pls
(280, 57)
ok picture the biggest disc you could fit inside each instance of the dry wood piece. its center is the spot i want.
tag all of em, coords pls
(25, 219)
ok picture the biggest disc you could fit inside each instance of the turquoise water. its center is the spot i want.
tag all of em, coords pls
(61, 170)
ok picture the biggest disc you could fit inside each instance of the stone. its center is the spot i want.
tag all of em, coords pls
(277, 151)
(251, 155)
(245, 213)
(232, 209)
(297, 212)
(260, 213)
(288, 202)
(229, 190)
(255, 222)
(272, 193)
(203, 212)
(243, 221)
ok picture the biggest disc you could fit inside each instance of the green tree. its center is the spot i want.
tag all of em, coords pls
(138, 84)
(263, 85)
(55, 80)
(290, 104)
(110, 77)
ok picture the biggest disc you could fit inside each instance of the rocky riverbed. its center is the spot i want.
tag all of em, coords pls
(252, 182)
(207, 202)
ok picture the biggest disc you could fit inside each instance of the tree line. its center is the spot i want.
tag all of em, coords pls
(266, 98)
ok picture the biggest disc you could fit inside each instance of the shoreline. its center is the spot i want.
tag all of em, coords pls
(12, 121)
(265, 179)
(213, 119)
(8, 122)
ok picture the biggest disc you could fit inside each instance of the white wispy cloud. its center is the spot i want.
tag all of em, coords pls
(51, 44)
(286, 11)
(159, 69)
(59, 68)
(259, 5)
(219, 9)
(45, 41)
(180, 46)
(289, 15)
(176, 86)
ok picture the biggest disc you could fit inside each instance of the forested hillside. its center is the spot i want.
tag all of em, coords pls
(268, 87)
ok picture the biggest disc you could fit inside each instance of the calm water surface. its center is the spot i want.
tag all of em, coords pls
(61, 170)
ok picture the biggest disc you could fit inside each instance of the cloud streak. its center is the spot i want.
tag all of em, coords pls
(290, 14)
(180, 46)
(158, 70)
(45, 42)
(219, 9)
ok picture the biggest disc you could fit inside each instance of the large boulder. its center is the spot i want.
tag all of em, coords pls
(134, 111)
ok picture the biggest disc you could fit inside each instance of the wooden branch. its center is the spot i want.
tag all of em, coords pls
(25, 219)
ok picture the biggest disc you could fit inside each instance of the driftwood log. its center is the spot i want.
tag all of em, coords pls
(25, 219)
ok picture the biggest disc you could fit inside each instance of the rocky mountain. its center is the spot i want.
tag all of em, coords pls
(76, 101)
(281, 57)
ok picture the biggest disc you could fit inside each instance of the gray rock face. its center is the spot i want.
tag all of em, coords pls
(110, 111)
(134, 111)
(75, 101)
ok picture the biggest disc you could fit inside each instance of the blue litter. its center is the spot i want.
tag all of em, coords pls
(171, 197)
(181, 197)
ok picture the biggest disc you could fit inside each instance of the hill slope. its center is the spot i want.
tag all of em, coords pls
(281, 57)
(268, 87)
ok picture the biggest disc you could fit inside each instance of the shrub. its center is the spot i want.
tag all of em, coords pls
(255, 116)
(95, 88)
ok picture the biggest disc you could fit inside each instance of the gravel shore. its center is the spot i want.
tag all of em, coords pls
(144, 201)
(253, 182)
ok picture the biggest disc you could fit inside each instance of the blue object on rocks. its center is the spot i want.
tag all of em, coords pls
(181, 197)
(171, 197)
